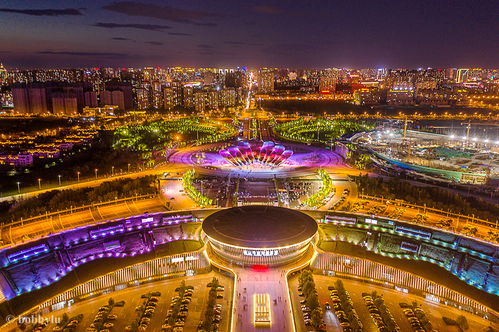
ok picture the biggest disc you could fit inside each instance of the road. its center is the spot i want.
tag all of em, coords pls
(262, 280)
(97, 182)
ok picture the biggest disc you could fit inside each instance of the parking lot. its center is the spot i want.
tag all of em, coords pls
(392, 298)
(132, 297)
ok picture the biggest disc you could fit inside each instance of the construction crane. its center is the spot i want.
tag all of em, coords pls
(405, 142)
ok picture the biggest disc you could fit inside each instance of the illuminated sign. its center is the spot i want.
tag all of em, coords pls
(260, 253)
(177, 259)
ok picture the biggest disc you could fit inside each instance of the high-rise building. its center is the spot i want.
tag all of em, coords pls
(228, 98)
(327, 84)
(30, 99)
(90, 99)
(3, 75)
(200, 101)
(462, 75)
(114, 98)
(157, 100)
(119, 94)
(450, 74)
(64, 104)
(172, 95)
(266, 80)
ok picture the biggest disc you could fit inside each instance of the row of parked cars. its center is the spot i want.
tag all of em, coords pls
(182, 302)
(340, 311)
(146, 311)
(307, 312)
(410, 313)
(102, 320)
(68, 326)
(217, 318)
(342, 199)
(375, 314)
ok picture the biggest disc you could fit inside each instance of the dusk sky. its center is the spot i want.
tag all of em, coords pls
(284, 33)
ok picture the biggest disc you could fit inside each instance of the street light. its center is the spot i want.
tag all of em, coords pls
(39, 183)
(59, 176)
(112, 170)
(128, 167)
(18, 187)
(96, 170)
(78, 176)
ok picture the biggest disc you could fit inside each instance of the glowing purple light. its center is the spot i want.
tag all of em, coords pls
(256, 152)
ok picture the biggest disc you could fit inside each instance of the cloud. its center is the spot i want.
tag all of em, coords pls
(102, 54)
(152, 27)
(120, 38)
(155, 43)
(237, 43)
(207, 24)
(205, 46)
(167, 13)
(233, 42)
(45, 12)
(267, 9)
(179, 34)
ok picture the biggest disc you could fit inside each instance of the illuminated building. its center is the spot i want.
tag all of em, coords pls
(30, 99)
(228, 97)
(327, 84)
(199, 101)
(3, 74)
(367, 96)
(462, 75)
(20, 160)
(119, 94)
(157, 100)
(400, 96)
(259, 235)
(172, 95)
(63, 104)
(90, 98)
(266, 80)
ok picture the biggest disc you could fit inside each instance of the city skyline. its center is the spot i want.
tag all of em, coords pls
(225, 34)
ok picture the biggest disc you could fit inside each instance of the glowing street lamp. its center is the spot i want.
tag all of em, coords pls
(96, 170)
(112, 170)
(18, 187)
(59, 176)
(39, 183)
(78, 176)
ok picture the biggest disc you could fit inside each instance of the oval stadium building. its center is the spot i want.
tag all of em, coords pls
(259, 235)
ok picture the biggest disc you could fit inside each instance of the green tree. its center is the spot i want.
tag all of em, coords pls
(316, 317)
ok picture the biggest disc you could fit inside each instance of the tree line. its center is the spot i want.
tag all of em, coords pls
(56, 200)
(438, 198)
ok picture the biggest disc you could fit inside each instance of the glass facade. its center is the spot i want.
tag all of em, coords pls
(258, 256)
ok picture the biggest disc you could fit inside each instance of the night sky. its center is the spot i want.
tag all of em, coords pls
(283, 33)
